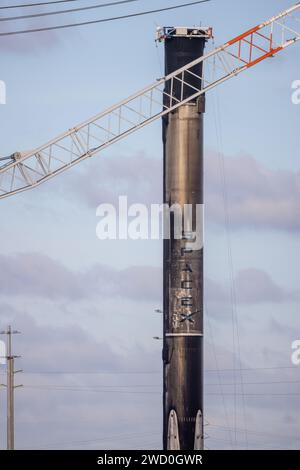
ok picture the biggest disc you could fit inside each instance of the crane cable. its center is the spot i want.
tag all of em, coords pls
(103, 20)
(237, 363)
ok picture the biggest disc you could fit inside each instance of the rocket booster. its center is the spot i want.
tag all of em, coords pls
(183, 256)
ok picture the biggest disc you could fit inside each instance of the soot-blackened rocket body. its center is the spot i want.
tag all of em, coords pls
(183, 266)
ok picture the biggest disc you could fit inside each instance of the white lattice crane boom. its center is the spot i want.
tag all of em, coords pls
(22, 171)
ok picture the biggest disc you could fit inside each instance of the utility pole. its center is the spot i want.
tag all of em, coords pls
(183, 258)
(10, 386)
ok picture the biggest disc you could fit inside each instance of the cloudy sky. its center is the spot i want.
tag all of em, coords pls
(92, 371)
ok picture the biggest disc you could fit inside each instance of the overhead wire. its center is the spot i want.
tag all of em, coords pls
(280, 382)
(259, 433)
(99, 439)
(250, 369)
(152, 387)
(26, 5)
(142, 392)
(69, 10)
(265, 395)
(244, 369)
(102, 20)
(147, 386)
(256, 444)
(66, 389)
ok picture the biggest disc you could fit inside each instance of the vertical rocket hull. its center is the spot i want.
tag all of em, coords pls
(183, 265)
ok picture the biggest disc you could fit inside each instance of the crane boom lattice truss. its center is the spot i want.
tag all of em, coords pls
(22, 171)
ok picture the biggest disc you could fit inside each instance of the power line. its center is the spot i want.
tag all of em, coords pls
(147, 386)
(103, 20)
(143, 392)
(70, 10)
(240, 445)
(265, 395)
(281, 382)
(246, 369)
(37, 4)
(91, 373)
(259, 433)
(250, 369)
(101, 439)
(66, 389)
(93, 387)
(148, 434)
